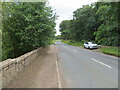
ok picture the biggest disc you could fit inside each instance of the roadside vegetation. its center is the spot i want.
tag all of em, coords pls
(26, 26)
(53, 42)
(73, 43)
(111, 50)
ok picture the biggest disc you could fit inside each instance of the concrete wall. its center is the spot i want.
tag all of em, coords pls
(10, 67)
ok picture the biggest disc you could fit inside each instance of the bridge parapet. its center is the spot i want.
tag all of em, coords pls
(10, 68)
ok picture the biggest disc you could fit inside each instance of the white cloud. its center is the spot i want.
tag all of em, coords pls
(65, 8)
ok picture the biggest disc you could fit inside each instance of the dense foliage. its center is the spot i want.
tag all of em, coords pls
(96, 22)
(26, 26)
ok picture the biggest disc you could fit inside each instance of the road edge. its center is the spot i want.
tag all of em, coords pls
(57, 69)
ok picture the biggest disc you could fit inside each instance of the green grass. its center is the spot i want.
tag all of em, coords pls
(73, 43)
(53, 42)
(111, 50)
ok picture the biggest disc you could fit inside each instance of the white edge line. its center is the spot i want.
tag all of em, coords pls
(59, 81)
(101, 63)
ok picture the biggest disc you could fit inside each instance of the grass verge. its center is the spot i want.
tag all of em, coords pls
(53, 42)
(111, 50)
(73, 43)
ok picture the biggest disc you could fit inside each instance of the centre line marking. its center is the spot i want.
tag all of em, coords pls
(101, 63)
(74, 50)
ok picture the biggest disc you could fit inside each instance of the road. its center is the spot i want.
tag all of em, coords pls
(83, 68)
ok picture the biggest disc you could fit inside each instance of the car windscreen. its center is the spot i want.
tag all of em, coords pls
(91, 43)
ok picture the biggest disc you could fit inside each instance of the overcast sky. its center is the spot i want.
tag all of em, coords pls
(65, 8)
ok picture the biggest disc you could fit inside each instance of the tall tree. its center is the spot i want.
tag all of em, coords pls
(26, 26)
(96, 22)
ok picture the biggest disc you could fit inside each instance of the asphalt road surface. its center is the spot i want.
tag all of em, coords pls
(83, 68)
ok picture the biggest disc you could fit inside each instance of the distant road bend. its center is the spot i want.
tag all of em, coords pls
(66, 66)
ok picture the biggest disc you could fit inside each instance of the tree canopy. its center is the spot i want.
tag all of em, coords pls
(96, 22)
(26, 26)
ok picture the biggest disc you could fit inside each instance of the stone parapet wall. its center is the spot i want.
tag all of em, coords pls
(10, 67)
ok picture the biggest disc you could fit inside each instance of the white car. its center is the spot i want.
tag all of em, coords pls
(90, 45)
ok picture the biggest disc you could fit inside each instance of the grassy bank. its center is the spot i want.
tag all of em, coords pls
(107, 50)
(53, 41)
(111, 50)
(73, 43)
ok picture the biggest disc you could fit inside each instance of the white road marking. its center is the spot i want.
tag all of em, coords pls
(59, 81)
(74, 50)
(101, 63)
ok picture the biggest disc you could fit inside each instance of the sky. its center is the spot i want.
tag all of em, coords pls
(65, 8)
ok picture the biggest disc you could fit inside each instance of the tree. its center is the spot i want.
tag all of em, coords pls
(26, 26)
(96, 22)
(107, 33)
